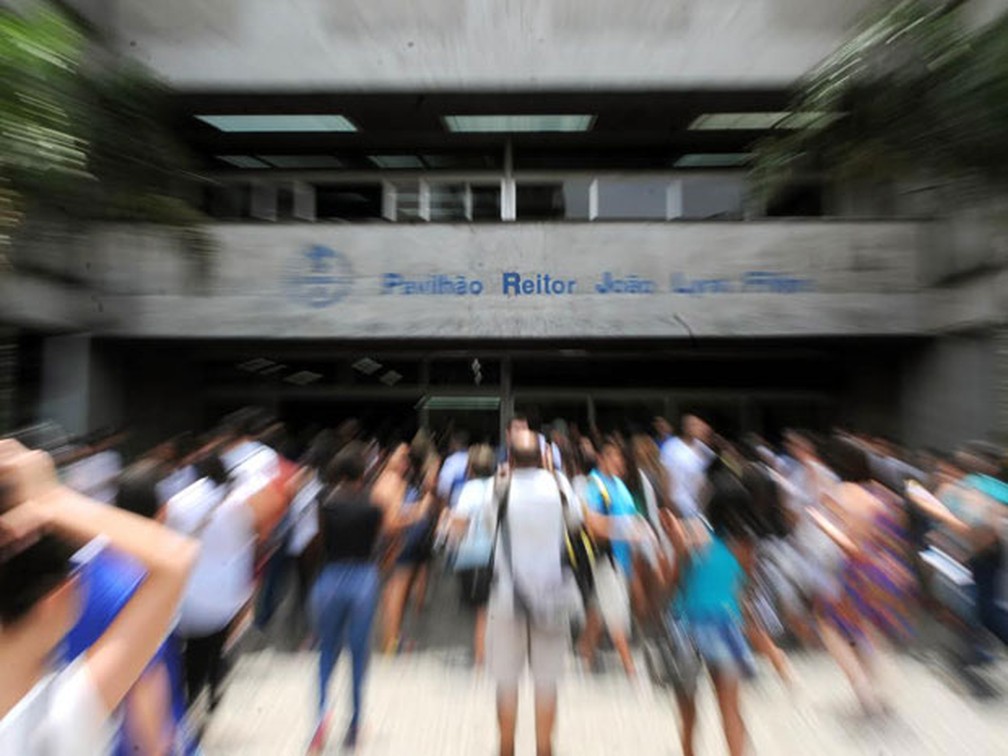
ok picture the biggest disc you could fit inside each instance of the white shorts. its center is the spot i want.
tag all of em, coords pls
(512, 641)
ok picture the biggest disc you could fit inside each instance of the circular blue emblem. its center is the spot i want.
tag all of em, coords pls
(322, 276)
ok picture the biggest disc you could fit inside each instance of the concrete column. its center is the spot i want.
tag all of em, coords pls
(1001, 384)
(304, 201)
(8, 379)
(66, 373)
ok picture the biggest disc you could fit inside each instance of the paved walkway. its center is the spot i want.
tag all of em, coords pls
(431, 703)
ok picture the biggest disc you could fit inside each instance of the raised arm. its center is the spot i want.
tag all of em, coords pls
(120, 655)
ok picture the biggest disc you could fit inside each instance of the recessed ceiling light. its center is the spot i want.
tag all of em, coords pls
(366, 365)
(396, 161)
(804, 119)
(255, 365)
(303, 377)
(712, 160)
(264, 123)
(761, 121)
(459, 402)
(518, 123)
(302, 161)
(278, 368)
(242, 161)
(391, 378)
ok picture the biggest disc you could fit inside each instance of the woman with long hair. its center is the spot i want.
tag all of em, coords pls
(405, 490)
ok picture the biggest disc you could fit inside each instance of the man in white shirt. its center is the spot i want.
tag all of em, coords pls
(686, 458)
(527, 565)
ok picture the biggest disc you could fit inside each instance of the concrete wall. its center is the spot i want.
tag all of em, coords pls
(820, 278)
(949, 391)
(528, 44)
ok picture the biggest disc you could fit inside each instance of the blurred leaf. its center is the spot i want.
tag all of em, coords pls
(920, 94)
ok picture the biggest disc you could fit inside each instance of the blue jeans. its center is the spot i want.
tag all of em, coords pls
(343, 604)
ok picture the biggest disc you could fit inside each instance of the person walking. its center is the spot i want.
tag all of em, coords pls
(344, 598)
(526, 619)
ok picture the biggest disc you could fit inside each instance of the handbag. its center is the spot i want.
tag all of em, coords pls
(672, 658)
(476, 547)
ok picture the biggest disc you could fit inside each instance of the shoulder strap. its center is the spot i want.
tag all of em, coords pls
(603, 491)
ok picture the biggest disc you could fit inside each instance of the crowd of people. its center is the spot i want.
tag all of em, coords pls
(125, 591)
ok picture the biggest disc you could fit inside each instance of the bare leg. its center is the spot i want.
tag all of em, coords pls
(479, 637)
(418, 587)
(590, 637)
(622, 645)
(545, 718)
(764, 645)
(847, 658)
(394, 605)
(687, 715)
(507, 718)
(727, 689)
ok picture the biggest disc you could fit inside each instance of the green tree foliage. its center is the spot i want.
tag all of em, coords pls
(84, 133)
(918, 92)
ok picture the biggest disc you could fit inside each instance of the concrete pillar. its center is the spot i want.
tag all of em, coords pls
(8, 379)
(1001, 384)
(66, 373)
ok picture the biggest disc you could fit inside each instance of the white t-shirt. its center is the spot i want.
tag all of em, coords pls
(535, 523)
(222, 581)
(250, 459)
(472, 497)
(95, 476)
(687, 467)
(63, 715)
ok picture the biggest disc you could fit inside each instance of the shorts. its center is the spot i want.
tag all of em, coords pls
(722, 645)
(511, 641)
(612, 597)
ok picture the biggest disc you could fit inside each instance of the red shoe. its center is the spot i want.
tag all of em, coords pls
(318, 740)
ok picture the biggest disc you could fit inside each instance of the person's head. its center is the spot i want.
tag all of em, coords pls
(459, 441)
(981, 458)
(398, 460)
(849, 460)
(612, 460)
(585, 456)
(39, 600)
(212, 467)
(242, 425)
(662, 427)
(729, 509)
(348, 466)
(767, 509)
(645, 452)
(482, 461)
(524, 449)
(137, 491)
(516, 424)
(695, 429)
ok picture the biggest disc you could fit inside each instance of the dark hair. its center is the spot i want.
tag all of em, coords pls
(212, 467)
(29, 575)
(848, 460)
(729, 507)
(248, 421)
(349, 464)
(768, 519)
(138, 490)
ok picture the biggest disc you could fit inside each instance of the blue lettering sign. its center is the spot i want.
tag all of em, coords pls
(435, 285)
(539, 284)
(321, 276)
(631, 284)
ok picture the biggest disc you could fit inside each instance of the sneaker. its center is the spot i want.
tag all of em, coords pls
(318, 740)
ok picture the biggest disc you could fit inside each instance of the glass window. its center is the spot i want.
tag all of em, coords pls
(713, 197)
(447, 202)
(486, 203)
(348, 201)
(540, 201)
(632, 199)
